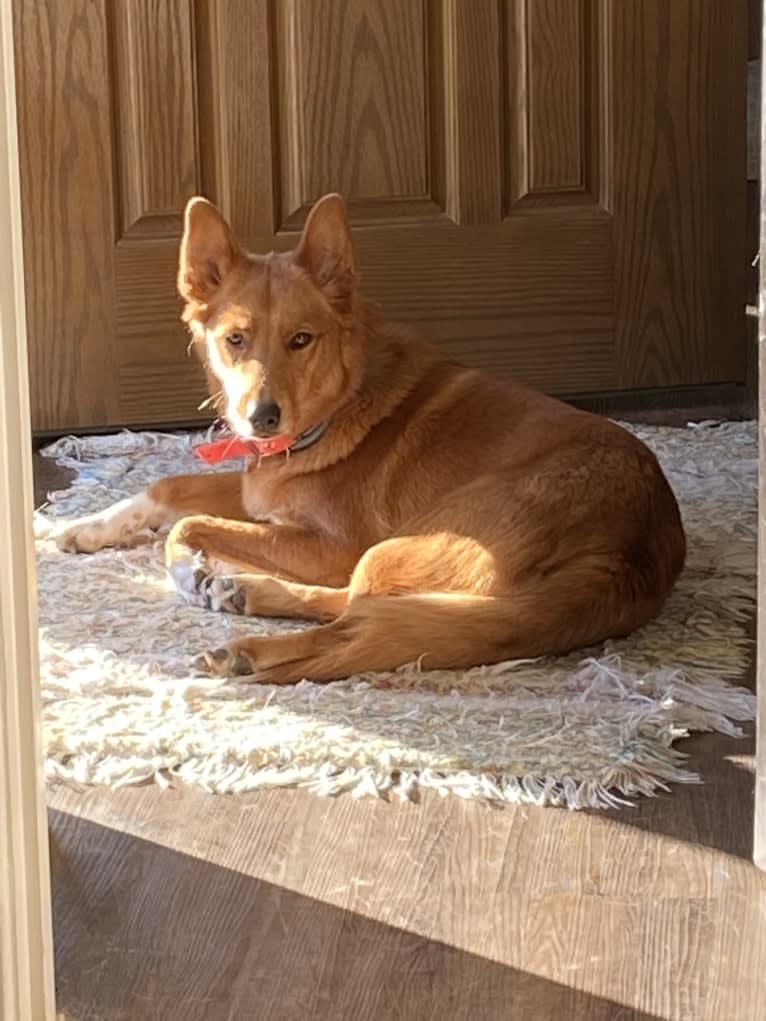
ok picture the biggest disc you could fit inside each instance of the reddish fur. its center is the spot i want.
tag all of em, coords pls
(443, 514)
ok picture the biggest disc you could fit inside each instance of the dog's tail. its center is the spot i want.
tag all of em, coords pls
(442, 631)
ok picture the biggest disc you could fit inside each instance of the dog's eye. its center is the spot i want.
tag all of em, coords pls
(235, 340)
(299, 341)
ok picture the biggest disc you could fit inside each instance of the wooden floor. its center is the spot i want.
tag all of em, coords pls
(175, 905)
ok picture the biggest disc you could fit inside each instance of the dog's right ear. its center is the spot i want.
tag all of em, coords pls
(326, 250)
(208, 251)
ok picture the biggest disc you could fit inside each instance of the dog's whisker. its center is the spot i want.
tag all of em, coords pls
(214, 399)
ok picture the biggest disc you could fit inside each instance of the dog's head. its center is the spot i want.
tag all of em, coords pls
(279, 331)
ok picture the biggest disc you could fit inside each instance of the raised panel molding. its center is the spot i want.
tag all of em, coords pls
(558, 75)
(152, 52)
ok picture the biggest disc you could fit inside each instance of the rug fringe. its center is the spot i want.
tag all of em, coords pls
(618, 787)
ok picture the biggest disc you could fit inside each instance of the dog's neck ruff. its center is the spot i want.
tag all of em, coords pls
(229, 448)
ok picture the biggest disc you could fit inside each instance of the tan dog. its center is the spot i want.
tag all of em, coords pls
(422, 510)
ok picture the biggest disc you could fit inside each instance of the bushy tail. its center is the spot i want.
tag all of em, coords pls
(442, 631)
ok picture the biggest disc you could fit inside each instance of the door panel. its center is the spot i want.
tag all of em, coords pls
(553, 188)
(154, 129)
(679, 141)
(558, 79)
(363, 125)
(65, 156)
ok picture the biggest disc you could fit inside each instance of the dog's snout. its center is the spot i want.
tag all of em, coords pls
(265, 417)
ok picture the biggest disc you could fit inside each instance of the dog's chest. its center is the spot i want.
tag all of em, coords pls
(261, 506)
(304, 502)
(273, 503)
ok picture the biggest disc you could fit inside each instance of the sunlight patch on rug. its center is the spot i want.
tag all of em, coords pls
(122, 704)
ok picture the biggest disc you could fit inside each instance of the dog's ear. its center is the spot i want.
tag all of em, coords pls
(326, 250)
(208, 251)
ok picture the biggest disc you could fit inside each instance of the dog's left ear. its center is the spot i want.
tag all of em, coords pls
(326, 251)
(208, 251)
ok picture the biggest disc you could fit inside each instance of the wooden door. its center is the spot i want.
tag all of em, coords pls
(553, 188)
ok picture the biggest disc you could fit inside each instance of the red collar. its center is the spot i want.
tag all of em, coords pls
(231, 447)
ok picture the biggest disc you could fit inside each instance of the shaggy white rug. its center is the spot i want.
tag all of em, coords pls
(122, 704)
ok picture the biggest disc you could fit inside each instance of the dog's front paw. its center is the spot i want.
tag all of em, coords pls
(84, 536)
(199, 585)
(225, 662)
(128, 523)
(190, 573)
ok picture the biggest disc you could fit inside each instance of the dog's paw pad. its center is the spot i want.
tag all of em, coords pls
(225, 663)
(226, 594)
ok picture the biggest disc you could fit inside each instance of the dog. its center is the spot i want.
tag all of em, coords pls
(415, 509)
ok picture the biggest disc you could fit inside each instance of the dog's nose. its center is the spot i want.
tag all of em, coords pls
(265, 417)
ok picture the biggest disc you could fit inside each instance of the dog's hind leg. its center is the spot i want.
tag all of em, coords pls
(376, 633)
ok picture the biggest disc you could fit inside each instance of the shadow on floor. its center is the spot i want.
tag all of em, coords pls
(142, 931)
(718, 813)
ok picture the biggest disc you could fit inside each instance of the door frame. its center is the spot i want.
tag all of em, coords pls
(26, 941)
(759, 835)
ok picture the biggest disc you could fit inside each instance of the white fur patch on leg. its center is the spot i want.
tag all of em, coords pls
(123, 524)
(187, 573)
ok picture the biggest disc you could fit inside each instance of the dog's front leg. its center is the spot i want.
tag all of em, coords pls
(201, 546)
(134, 519)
